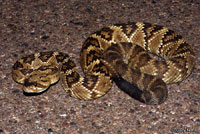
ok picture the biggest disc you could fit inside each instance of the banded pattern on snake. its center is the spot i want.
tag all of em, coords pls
(123, 53)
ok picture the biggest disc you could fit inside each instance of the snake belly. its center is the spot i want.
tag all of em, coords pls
(121, 53)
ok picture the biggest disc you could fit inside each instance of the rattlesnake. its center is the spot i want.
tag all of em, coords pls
(117, 53)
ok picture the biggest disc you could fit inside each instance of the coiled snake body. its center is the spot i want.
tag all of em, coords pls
(117, 53)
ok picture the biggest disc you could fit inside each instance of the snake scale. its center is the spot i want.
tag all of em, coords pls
(123, 53)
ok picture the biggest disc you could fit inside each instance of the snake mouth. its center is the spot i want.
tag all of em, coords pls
(33, 87)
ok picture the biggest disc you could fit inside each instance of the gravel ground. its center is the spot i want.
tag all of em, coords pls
(29, 26)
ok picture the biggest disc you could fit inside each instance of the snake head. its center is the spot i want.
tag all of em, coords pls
(35, 86)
